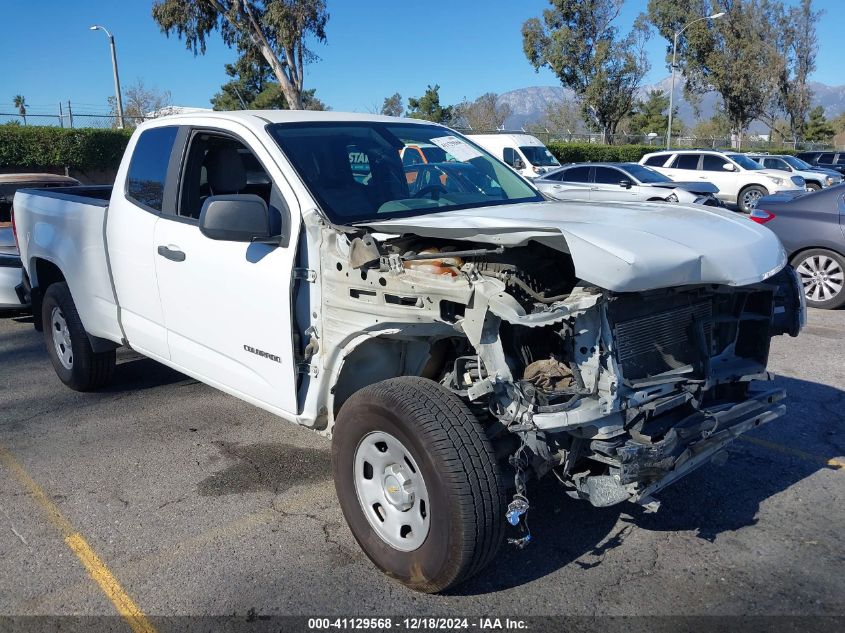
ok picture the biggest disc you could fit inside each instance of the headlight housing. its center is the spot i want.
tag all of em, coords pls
(776, 180)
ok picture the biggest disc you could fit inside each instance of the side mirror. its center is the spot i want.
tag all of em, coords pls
(728, 167)
(518, 164)
(235, 218)
(625, 184)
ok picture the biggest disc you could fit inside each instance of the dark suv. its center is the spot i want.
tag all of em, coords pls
(828, 160)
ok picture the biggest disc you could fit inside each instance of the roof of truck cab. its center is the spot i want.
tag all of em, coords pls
(263, 117)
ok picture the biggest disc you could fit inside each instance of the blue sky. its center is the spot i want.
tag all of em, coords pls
(374, 48)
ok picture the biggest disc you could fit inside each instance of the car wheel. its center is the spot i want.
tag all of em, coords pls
(75, 362)
(814, 186)
(822, 273)
(750, 196)
(418, 482)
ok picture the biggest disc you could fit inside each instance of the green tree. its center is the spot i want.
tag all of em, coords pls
(19, 102)
(714, 130)
(392, 105)
(428, 106)
(276, 28)
(652, 115)
(800, 46)
(482, 115)
(734, 55)
(819, 129)
(253, 87)
(576, 40)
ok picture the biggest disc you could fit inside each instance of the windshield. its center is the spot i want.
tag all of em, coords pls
(355, 172)
(743, 161)
(796, 163)
(644, 174)
(539, 156)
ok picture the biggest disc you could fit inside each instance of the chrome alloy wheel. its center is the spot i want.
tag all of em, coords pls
(751, 198)
(61, 338)
(391, 491)
(822, 277)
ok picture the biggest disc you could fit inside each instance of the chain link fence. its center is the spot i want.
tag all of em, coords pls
(69, 119)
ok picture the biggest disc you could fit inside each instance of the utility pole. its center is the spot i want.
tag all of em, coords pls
(61, 115)
(69, 113)
(97, 27)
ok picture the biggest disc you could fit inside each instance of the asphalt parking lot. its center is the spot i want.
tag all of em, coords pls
(194, 503)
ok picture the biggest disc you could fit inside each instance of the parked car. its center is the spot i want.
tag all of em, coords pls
(811, 230)
(740, 180)
(815, 177)
(436, 179)
(12, 296)
(525, 153)
(827, 160)
(440, 339)
(623, 182)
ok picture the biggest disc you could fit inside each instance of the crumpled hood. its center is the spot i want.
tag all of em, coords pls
(623, 247)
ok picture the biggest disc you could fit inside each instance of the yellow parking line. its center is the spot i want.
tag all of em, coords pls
(98, 571)
(833, 463)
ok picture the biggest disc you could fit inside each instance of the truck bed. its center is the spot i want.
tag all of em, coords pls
(65, 226)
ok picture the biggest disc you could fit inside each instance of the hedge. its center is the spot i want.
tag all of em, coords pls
(85, 149)
(591, 152)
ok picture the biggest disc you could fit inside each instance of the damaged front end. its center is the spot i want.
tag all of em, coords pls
(617, 394)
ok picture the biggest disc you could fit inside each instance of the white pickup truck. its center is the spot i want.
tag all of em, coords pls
(454, 344)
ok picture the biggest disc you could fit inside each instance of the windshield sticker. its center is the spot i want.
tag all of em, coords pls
(458, 148)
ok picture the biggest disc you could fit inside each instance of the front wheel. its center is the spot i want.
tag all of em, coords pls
(750, 196)
(814, 186)
(822, 274)
(418, 483)
(75, 362)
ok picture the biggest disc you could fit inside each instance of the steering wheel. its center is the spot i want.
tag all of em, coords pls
(435, 190)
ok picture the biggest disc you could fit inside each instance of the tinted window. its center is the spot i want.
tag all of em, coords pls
(656, 161)
(148, 169)
(539, 155)
(576, 174)
(840, 159)
(509, 156)
(609, 176)
(825, 158)
(686, 161)
(775, 163)
(712, 163)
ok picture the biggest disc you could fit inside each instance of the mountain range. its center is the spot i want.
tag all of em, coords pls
(528, 105)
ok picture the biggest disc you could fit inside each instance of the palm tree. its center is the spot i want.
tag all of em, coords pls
(20, 104)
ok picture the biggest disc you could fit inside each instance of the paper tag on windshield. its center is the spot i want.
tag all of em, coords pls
(458, 148)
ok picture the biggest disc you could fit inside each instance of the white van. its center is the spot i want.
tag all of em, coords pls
(525, 153)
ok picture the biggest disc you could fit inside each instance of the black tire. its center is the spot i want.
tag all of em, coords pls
(88, 370)
(748, 197)
(814, 186)
(805, 264)
(457, 462)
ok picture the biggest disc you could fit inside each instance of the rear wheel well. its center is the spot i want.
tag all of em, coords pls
(47, 273)
(794, 256)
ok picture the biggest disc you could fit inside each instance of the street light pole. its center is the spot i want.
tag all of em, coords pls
(97, 27)
(674, 56)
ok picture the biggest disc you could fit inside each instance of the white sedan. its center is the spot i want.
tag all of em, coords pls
(623, 182)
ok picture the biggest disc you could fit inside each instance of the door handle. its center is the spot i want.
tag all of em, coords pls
(173, 254)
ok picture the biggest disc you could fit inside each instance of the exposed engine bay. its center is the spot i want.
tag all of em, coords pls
(615, 393)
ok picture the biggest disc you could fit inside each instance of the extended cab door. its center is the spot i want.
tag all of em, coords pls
(149, 190)
(227, 304)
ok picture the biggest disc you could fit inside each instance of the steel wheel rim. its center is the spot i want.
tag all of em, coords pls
(61, 338)
(751, 198)
(391, 491)
(822, 277)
